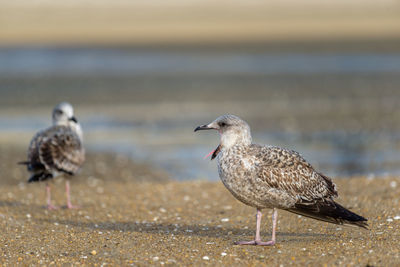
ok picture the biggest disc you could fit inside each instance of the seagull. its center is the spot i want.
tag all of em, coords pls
(57, 150)
(275, 178)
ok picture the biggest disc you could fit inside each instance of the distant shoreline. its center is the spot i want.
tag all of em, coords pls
(360, 45)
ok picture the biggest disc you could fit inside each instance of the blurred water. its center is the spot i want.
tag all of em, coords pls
(337, 153)
(83, 62)
(171, 144)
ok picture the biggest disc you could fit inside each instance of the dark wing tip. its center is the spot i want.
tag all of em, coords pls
(40, 177)
(330, 211)
(362, 224)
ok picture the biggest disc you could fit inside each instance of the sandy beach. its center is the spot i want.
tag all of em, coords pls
(132, 215)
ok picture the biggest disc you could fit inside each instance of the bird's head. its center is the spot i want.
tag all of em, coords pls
(233, 130)
(63, 114)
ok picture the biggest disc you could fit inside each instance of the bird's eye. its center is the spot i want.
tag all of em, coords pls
(59, 112)
(222, 124)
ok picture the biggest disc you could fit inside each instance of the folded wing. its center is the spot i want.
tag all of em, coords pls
(312, 192)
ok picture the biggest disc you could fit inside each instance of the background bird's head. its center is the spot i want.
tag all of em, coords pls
(233, 130)
(63, 114)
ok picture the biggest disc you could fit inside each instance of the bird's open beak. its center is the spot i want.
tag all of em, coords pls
(203, 127)
(73, 119)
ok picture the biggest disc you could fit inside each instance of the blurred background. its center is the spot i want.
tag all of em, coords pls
(319, 77)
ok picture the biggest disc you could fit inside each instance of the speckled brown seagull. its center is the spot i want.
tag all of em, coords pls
(275, 178)
(57, 150)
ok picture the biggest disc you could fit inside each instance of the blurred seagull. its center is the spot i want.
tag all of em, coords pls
(57, 150)
(275, 178)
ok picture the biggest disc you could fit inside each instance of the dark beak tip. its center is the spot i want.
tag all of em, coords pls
(202, 127)
(73, 119)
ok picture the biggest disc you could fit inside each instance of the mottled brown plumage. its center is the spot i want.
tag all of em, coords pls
(274, 177)
(53, 151)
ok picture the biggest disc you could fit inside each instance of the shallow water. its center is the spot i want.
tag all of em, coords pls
(83, 62)
(340, 110)
(337, 153)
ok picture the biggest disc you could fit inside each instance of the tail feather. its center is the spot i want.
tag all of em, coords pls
(330, 211)
(23, 162)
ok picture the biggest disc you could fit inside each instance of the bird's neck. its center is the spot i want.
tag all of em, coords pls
(231, 140)
(76, 127)
(236, 138)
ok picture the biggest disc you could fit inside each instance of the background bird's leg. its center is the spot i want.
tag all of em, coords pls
(48, 198)
(67, 191)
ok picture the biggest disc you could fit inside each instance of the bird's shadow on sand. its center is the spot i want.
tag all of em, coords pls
(6, 203)
(188, 230)
(36, 207)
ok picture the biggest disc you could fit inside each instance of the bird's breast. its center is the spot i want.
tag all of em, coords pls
(237, 173)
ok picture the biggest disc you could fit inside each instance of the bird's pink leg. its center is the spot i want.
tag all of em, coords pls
(257, 240)
(48, 198)
(67, 191)
(274, 221)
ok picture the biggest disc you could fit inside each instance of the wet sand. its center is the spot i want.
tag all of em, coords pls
(133, 215)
